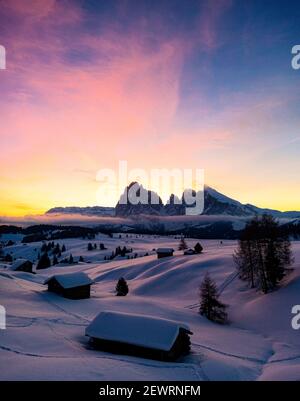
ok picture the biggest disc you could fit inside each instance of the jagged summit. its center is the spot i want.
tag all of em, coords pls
(215, 203)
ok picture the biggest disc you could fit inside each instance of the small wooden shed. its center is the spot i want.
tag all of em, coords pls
(23, 265)
(143, 336)
(164, 252)
(70, 285)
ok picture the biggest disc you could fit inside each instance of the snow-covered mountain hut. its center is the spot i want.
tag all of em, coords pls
(23, 265)
(164, 252)
(70, 285)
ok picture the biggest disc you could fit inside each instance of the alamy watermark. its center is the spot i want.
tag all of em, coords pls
(2, 58)
(190, 182)
(2, 318)
(296, 319)
(296, 59)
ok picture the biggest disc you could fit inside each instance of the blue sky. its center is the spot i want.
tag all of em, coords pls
(188, 84)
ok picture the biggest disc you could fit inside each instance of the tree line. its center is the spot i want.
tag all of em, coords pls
(263, 258)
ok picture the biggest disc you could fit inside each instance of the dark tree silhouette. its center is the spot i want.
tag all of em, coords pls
(56, 250)
(210, 306)
(81, 259)
(44, 261)
(71, 260)
(118, 251)
(263, 253)
(122, 287)
(54, 261)
(198, 248)
(90, 247)
(8, 258)
(123, 251)
(182, 244)
(44, 247)
(63, 248)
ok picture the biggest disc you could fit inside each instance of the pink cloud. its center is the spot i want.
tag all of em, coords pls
(206, 33)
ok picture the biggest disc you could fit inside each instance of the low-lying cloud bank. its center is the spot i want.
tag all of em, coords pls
(75, 219)
(238, 223)
(59, 219)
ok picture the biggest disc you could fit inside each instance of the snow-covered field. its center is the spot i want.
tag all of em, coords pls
(44, 338)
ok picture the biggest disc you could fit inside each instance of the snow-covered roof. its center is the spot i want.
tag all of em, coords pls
(189, 251)
(144, 331)
(164, 250)
(71, 280)
(18, 263)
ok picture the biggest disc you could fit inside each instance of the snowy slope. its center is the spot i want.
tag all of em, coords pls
(45, 332)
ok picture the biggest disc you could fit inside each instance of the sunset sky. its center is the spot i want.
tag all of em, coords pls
(161, 84)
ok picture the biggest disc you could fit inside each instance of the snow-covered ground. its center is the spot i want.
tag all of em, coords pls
(45, 337)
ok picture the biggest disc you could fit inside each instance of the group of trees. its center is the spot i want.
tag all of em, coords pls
(183, 246)
(91, 247)
(122, 251)
(264, 253)
(52, 247)
(44, 260)
(6, 257)
(263, 258)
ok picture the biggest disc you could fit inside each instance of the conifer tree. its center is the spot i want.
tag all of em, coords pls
(122, 287)
(56, 249)
(182, 244)
(44, 247)
(8, 258)
(198, 248)
(44, 261)
(210, 306)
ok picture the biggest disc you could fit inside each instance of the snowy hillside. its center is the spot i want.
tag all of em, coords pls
(46, 333)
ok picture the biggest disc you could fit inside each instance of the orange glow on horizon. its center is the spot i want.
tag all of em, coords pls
(75, 100)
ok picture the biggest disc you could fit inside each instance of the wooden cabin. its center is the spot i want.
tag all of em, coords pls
(143, 336)
(164, 252)
(70, 285)
(23, 265)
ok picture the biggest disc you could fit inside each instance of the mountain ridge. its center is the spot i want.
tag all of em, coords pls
(215, 203)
